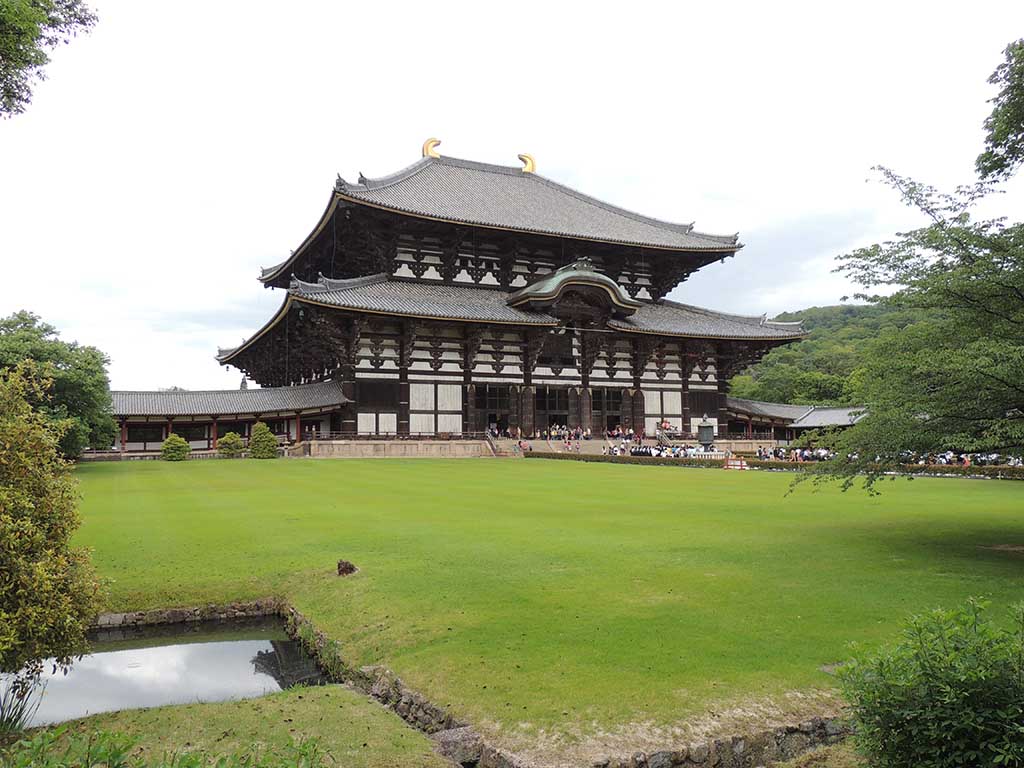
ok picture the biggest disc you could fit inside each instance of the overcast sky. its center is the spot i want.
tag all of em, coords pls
(180, 147)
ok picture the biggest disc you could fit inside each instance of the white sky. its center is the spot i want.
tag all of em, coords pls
(178, 148)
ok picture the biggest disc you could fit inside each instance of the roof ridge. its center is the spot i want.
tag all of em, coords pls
(218, 391)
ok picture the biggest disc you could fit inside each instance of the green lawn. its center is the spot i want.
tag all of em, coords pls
(554, 602)
(351, 731)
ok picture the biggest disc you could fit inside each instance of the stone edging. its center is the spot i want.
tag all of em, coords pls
(241, 610)
(456, 739)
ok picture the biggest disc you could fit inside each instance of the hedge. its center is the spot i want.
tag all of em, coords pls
(1003, 473)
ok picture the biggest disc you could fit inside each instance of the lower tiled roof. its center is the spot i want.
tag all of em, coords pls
(421, 299)
(799, 416)
(444, 302)
(673, 319)
(228, 401)
(760, 408)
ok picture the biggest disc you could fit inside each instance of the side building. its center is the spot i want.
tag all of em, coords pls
(455, 296)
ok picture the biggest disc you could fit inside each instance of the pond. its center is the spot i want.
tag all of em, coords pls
(176, 664)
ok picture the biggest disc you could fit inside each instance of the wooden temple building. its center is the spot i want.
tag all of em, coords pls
(455, 296)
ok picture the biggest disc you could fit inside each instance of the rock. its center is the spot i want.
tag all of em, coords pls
(699, 753)
(461, 745)
(638, 760)
(660, 760)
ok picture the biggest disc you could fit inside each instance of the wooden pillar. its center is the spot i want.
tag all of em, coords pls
(348, 410)
(170, 427)
(686, 425)
(124, 435)
(750, 426)
(405, 342)
(574, 408)
(586, 409)
(213, 433)
(298, 427)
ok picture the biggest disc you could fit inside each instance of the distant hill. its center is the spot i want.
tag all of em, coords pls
(820, 369)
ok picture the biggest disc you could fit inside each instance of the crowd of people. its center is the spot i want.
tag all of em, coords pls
(781, 453)
(955, 458)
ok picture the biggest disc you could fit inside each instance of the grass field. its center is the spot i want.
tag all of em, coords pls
(351, 731)
(559, 605)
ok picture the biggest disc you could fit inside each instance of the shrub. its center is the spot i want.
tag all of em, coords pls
(175, 448)
(949, 693)
(230, 446)
(262, 443)
(49, 594)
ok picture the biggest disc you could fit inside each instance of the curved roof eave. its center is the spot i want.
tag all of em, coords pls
(271, 273)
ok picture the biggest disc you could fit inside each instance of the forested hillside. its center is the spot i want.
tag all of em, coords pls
(822, 369)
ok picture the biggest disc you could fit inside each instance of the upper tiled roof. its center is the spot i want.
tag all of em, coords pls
(505, 197)
(673, 319)
(446, 302)
(228, 401)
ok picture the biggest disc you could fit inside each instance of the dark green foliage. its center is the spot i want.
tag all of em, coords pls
(175, 448)
(80, 395)
(949, 694)
(48, 592)
(60, 748)
(1004, 142)
(824, 368)
(28, 28)
(230, 446)
(262, 443)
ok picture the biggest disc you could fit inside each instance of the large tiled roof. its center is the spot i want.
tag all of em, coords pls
(228, 401)
(671, 318)
(465, 191)
(445, 302)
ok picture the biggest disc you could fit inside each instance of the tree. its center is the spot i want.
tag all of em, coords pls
(28, 29)
(81, 390)
(954, 379)
(49, 594)
(175, 448)
(262, 443)
(1004, 143)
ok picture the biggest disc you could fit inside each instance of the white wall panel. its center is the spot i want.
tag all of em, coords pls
(651, 424)
(673, 402)
(652, 402)
(421, 397)
(387, 422)
(449, 422)
(449, 398)
(366, 423)
(421, 422)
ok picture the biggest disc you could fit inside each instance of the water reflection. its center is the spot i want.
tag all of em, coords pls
(169, 671)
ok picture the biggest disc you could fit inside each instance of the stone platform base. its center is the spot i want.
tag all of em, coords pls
(393, 449)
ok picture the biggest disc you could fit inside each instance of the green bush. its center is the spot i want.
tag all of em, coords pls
(175, 448)
(949, 693)
(230, 446)
(61, 748)
(262, 443)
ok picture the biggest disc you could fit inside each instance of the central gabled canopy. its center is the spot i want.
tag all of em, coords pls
(579, 276)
